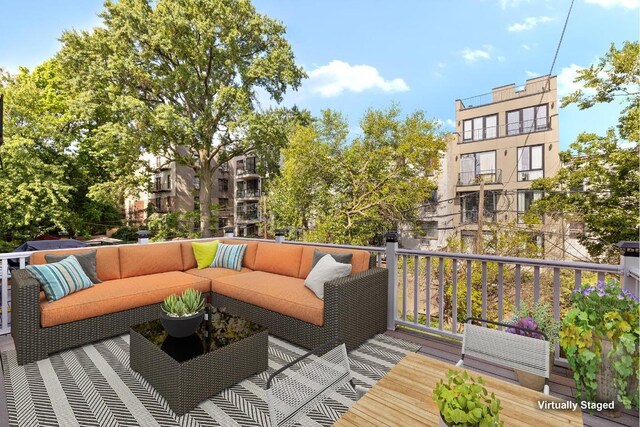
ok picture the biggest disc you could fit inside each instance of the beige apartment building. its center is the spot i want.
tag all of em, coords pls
(504, 141)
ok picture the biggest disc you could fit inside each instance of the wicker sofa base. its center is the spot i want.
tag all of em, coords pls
(184, 385)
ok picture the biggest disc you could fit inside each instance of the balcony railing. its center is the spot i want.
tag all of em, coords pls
(490, 176)
(506, 129)
(471, 217)
(248, 194)
(160, 189)
(252, 215)
(509, 92)
(246, 171)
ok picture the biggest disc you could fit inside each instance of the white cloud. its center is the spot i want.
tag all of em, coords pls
(504, 4)
(608, 4)
(566, 85)
(501, 58)
(338, 76)
(529, 23)
(532, 74)
(472, 55)
(450, 123)
(526, 47)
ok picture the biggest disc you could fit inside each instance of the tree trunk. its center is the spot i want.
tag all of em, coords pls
(206, 184)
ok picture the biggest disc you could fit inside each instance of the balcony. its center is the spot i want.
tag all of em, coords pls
(160, 189)
(247, 172)
(490, 176)
(250, 216)
(250, 194)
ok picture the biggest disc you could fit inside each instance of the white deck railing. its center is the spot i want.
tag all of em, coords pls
(426, 288)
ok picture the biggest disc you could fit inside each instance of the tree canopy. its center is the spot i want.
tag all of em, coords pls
(180, 78)
(599, 183)
(333, 189)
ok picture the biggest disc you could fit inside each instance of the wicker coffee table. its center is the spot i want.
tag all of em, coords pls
(185, 371)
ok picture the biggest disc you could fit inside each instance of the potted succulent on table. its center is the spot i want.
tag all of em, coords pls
(539, 320)
(182, 314)
(600, 336)
(465, 402)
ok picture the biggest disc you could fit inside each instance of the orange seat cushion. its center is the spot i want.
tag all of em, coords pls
(278, 258)
(215, 272)
(118, 295)
(249, 259)
(152, 258)
(359, 261)
(282, 294)
(107, 260)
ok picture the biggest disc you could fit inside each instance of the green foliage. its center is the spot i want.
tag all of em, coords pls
(607, 166)
(181, 78)
(542, 314)
(127, 234)
(465, 402)
(340, 191)
(189, 303)
(599, 312)
(172, 225)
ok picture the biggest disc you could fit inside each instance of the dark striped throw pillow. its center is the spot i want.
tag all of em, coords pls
(60, 279)
(229, 256)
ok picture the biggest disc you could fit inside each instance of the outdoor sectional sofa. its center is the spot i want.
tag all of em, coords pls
(136, 278)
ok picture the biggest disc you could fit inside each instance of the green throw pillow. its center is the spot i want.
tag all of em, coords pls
(205, 252)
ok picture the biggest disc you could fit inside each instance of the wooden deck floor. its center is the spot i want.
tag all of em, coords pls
(561, 382)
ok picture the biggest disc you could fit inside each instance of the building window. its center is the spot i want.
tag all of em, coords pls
(468, 241)
(469, 207)
(222, 223)
(476, 166)
(196, 183)
(168, 182)
(428, 230)
(530, 119)
(251, 165)
(158, 202)
(158, 183)
(525, 199)
(480, 128)
(223, 185)
(576, 229)
(530, 161)
(223, 201)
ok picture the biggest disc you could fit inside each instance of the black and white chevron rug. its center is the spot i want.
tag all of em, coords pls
(93, 386)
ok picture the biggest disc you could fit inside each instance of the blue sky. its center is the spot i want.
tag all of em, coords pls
(422, 54)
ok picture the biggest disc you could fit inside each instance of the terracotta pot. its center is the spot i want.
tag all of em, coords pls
(606, 391)
(180, 327)
(528, 380)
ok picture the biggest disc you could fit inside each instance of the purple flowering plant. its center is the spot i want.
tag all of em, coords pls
(603, 297)
(526, 323)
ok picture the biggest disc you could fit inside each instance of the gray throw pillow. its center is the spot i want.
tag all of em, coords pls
(341, 258)
(87, 261)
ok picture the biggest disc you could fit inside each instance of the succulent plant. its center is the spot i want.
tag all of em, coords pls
(187, 304)
(527, 323)
(465, 402)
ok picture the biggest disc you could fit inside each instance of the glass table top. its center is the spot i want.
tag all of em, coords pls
(221, 329)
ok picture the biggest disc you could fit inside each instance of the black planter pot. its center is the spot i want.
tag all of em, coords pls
(180, 327)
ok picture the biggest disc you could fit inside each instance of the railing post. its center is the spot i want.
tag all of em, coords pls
(143, 236)
(392, 292)
(630, 261)
(228, 232)
(280, 235)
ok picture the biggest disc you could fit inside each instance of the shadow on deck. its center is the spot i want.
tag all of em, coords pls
(561, 383)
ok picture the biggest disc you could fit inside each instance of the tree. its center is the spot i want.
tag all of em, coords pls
(599, 183)
(185, 74)
(335, 190)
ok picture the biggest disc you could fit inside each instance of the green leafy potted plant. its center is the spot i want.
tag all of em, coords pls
(538, 317)
(465, 402)
(182, 314)
(600, 337)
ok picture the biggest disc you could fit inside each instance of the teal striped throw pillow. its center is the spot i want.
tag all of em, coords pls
(59, 279)
(229, 256)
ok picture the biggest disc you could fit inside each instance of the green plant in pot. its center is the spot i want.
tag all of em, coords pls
(465, 402)
(537, 318)
(182, 314)
(600, 336)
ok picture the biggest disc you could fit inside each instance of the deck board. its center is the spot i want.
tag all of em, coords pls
(560, 383)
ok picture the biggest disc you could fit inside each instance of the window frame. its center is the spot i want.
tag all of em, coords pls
(476, 172)
(520, 212)
(535, 127)
(223, 185)
(484, 128)
(530, 169)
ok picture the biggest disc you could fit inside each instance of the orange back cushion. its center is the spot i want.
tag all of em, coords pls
(107, 260)
(249, 260)
(359, 261)
(278, 258)
(140, 260)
